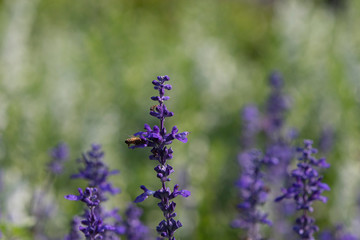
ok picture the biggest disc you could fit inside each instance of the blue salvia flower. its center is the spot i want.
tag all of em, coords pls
(250, 125)
(93, 228)
(253, 192)
(337, 234)
(278, 145)
(278, 138)
(276, 107)
(306, 188)
(96, 172)
(135, 230)
(326, 141)
(59, 155)
(158, 140)
(74, 230)
(41, 209)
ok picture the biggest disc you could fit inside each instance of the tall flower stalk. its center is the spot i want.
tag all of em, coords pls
(158, 140)
(253, 193)
(307, 187)
(96, 173)
(271, 123)
(277, 105)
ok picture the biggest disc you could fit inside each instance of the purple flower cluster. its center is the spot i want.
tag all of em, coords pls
(158, 140)
(74, 230)
(135, 230)
(93, 228)
(306, 188)
(277, 142)
(253, 192)
(251, 125)
(96, 172)
(272, 123)
(59, 155)
(326, 141)
(276, 107)
(337, 234)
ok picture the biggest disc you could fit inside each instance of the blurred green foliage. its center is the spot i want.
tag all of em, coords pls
(81, 71)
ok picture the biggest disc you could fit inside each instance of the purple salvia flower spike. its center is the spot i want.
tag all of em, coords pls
(157, 138)
(96, 173)
(337, 233)
(250, 125)
(327, 138)
(253, 192)
(74, 232)
(93, 228)
(134, 229)
(59, 155)
(276, 107)
(306, 188)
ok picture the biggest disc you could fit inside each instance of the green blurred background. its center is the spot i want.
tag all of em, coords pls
(81, 71)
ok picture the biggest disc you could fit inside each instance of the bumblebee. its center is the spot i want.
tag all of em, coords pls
(134, 140)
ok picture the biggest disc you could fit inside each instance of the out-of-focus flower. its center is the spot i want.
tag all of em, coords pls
(74, 230)
(59, 155)
(96, 172)
(253, 192)
(135, 230)
(42, 206)
(307, 187)
(338, 233)
(158, 140)
(326, 141)
(250, 125)
(276, 107)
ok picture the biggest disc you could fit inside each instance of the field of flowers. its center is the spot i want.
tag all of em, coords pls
(254, 87)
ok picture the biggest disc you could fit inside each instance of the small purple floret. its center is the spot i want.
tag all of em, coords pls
(144, 195)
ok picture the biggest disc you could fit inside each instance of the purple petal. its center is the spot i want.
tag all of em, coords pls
(144, 195)
(155, 98)
(141, 197)
(185, 193)
(174, 130)
(167, 86)
(182, 137)
(72, 197)
(322, 163)
(147, 127)
(324, 186)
